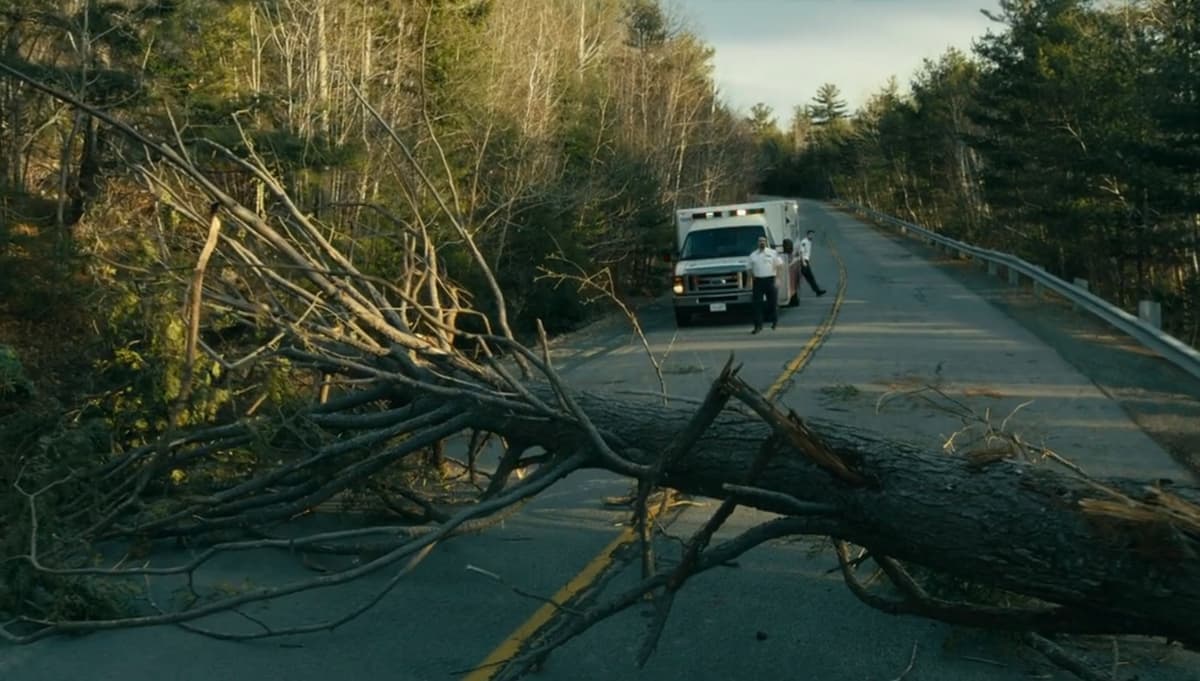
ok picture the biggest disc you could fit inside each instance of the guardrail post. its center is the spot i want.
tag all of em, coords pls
(1150, 312)
(1014, 277)
(993, 269)
(1039, 290)
(1082, 284)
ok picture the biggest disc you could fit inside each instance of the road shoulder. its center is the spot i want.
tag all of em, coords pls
(1160, 398)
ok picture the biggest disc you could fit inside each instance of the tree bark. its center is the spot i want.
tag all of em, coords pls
(1108, 552)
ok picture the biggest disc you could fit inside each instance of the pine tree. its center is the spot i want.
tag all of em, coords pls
(828, 105)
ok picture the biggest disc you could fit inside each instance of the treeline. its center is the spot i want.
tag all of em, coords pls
(562, 133)
(554, 129)
(1070, 136)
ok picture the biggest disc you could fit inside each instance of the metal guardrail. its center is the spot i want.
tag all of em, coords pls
(1167, 346)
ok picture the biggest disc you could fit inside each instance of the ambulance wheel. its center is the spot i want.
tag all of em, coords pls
(682, 317)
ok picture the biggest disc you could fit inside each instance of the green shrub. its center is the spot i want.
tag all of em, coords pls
(13, 382)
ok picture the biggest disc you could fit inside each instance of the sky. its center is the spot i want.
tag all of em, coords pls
(780, 51)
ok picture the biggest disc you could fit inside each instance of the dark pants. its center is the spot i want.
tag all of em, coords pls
(806, 270)
(764, 287)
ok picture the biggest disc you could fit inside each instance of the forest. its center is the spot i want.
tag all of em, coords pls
(257, 256)
(1070, 137)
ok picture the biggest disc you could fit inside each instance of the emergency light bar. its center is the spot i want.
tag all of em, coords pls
(739, 212)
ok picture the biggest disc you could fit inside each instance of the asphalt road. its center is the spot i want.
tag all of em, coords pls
(903, 325)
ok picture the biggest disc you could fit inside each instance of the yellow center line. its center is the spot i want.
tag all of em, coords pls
(799, 361)
(508, 649)
(511, 646)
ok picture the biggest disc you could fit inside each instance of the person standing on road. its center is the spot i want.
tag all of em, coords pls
(806, 246)
(763, 264)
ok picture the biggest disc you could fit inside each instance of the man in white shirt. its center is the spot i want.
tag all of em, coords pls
(763, 263)
(805, 268)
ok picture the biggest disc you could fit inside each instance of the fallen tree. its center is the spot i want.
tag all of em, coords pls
(1084, 556)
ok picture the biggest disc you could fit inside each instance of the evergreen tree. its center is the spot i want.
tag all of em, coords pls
(828, 105)
(762, 122)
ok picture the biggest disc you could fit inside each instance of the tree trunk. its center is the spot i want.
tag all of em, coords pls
(1115, 558)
